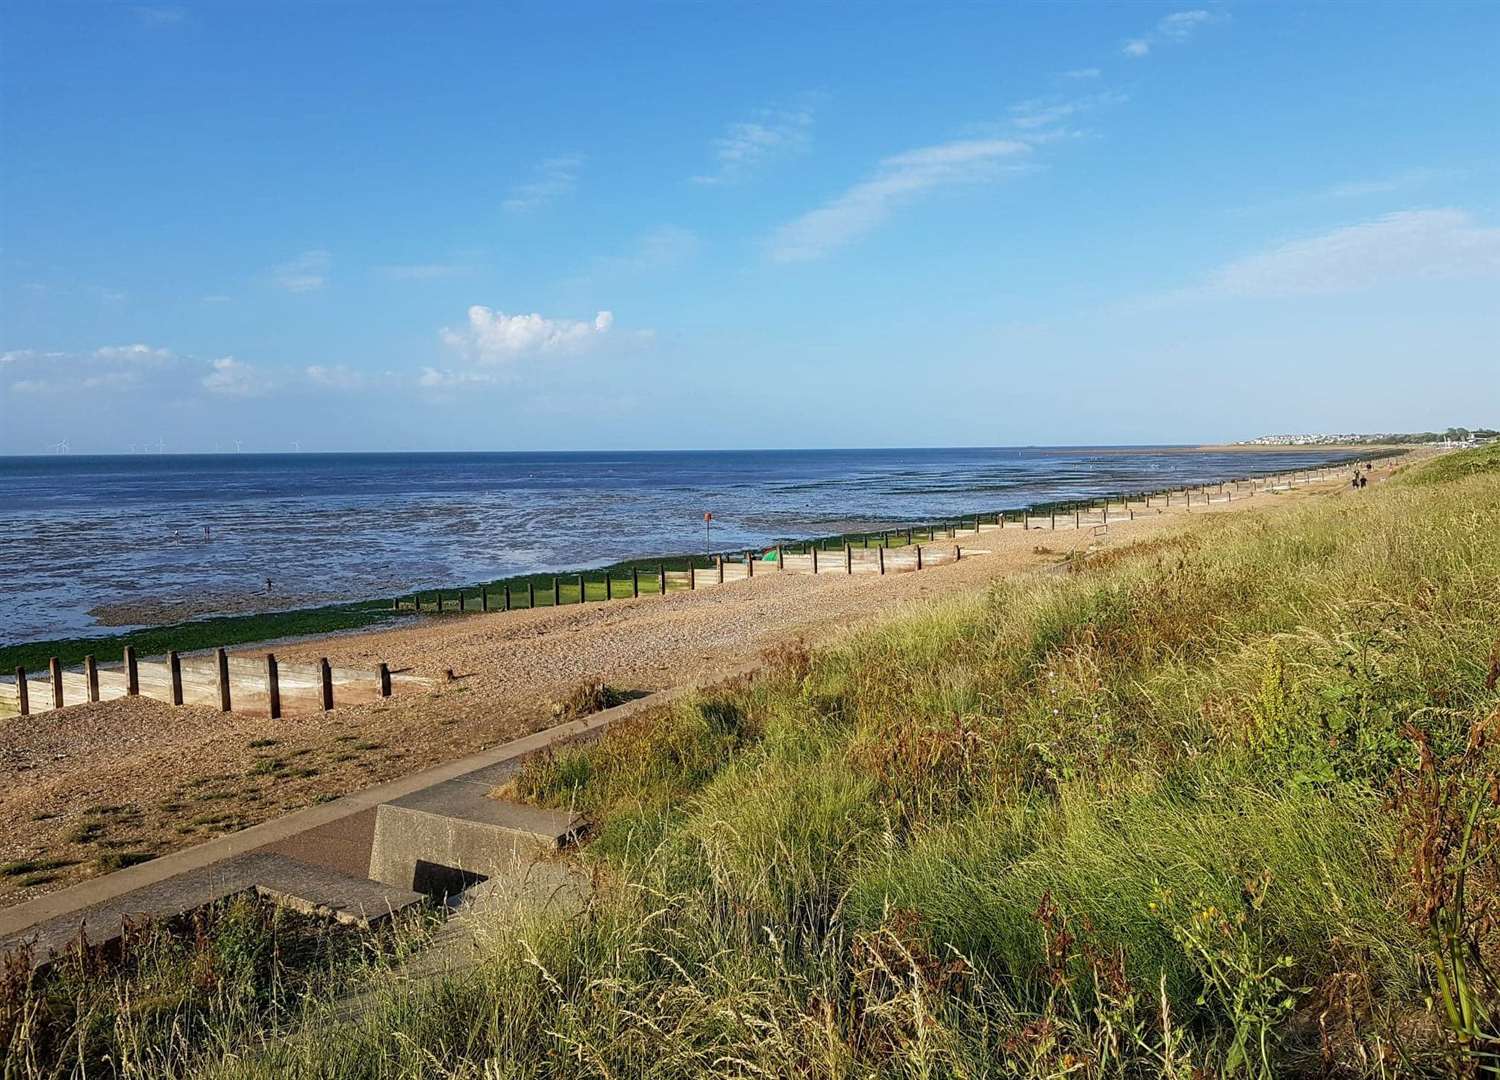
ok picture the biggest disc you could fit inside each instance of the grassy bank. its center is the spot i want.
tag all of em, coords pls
(1216, 805)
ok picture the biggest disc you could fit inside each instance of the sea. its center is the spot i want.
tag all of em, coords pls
(85, 538)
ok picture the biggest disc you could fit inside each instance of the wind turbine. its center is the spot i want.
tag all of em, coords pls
(296, 447)
(161, 447)
(238, 446)
(61, 447)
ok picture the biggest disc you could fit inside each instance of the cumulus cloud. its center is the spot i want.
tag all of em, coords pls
(748, 144)
(553, 178)
(897, 179)
(493, 337)
(235, 378)
(1411, 244)
(1176, 27)
(308, 272)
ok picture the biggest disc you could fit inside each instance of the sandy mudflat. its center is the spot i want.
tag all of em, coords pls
(164, 611)
(134, 777)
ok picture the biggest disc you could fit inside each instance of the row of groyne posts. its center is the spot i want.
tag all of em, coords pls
(216, 679)
(893, 550)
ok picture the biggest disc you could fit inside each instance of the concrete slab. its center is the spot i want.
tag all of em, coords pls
(315, 890)
(452, 836)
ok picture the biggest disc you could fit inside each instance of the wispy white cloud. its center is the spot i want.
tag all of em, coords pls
(109, 366)
(158, 15)
(150, 369)
(661, 248)
(146, 355)
(335, 377)
(1082, 73)
(308, 272)
(897, 179)
(749, 144)
(422, 271)
(1384, 185)
(553, 178)
(493, 337)
(235, 378)
(1411, 244)
(1038, 114)
(133, 354)
(216, 298)
(1176, 27)
(98, 380)
(433, 378)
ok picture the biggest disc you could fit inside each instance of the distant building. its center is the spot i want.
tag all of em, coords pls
(1450, 438)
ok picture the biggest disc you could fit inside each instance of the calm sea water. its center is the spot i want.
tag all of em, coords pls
(77, 532)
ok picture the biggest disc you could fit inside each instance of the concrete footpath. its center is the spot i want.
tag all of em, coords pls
(322, 849)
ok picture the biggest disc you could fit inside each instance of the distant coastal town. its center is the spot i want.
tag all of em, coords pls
(1452, 437)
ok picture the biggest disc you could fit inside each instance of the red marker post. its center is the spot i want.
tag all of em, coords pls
(708, 544)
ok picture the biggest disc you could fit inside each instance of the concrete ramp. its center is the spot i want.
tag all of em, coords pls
(305, 888)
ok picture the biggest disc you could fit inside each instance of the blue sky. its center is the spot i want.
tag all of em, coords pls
(443, 226)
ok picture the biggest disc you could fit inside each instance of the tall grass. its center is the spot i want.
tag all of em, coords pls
(1150, 818)
(166, 995)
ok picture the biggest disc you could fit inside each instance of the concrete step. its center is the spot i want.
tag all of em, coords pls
(309, 889)
(317, 890)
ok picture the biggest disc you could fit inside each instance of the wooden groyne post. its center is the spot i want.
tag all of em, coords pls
(23, 692)
(273, 687)
(54, 668)
(174, 669)
(222, 659)
(325, 683)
